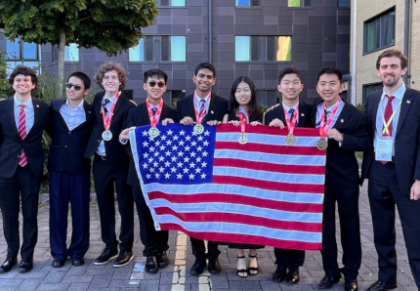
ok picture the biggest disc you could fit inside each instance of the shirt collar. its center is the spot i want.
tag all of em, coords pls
(329, 109)
(288, 108)
(197, 99)
(28, 102)
(78, 107)
(399, 94)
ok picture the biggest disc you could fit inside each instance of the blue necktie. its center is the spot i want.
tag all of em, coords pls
(202, 107)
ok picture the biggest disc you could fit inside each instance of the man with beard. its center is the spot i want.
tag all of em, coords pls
(393, 168)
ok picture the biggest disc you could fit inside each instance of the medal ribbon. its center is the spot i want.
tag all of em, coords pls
(324, 127)
(154, 118)
(243, 118)
(107, 121)
(198, 118)
(291, 125)
(385, 131)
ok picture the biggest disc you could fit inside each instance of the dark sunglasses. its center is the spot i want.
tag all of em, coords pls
(76, 87)
(153, 83)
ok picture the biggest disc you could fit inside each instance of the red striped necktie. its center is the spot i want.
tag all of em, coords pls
(22, 132)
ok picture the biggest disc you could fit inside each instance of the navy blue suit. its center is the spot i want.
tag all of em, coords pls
(69, 180)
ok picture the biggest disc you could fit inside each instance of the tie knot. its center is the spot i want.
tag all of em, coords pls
(154, 109)
(291, 110)
(390, 98)
(22, 106)
(202, 102)
(105, 102)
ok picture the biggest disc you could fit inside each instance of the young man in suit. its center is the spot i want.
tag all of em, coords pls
(393, 168)
(22, 122)
(69, 171)
(203, 107)
(298, 114)
(110, 166)
(343, 131)
(150, 112)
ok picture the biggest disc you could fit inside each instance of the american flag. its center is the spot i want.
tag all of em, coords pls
(213, 188)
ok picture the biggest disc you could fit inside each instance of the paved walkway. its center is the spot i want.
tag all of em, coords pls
(176, 276)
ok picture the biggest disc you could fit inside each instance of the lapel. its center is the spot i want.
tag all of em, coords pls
(343, 117)
(210, 113)
(57, 108)
(281, 113)
(405, 107)
(190, 109)
(88, 111)
(164, 112)
(36, 115)
(302, 115)
(374, 109)
(11, 115)
(120, 101)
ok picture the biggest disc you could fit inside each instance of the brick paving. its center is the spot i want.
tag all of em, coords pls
(176, 277)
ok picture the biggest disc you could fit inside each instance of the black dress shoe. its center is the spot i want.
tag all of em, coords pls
(327, 282)
(26, 265)
(382, 285)
(78, 262)
(214, 266)
(293, 276)
(198, 267)
(7, 265)
(351, 285)
(151, 265)
(123, 259)
(280, 274)
(58, 263)
(105, 257)
(163, 260)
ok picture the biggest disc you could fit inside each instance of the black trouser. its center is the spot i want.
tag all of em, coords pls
(105, 175)
(287, 258)
(28, 185)
(348, 211)
(384, 194)
(153, 241)
(199, 249)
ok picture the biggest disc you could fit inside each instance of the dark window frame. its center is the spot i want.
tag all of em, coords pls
(366, 87)
(21, 57)
(259, 49)
(303, 5)
(153, 49)
(252, 4)
(378, 21)
(160, 5)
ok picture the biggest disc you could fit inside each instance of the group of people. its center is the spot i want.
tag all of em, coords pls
(388, 134)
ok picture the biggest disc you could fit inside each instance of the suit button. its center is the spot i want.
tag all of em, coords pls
(99, 140)
(69, 132)
(65, 146)
(18, 156)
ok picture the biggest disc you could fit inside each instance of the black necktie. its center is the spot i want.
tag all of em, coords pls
(326, 115)
(154, 109)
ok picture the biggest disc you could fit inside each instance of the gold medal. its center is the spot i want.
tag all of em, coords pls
(290, 139)
(243, 138)
(153, 132)
(198, 128)
(322, 144)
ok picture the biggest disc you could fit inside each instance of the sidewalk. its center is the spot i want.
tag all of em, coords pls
(176, 277)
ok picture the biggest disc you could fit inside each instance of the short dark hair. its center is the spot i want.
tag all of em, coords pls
(23, 70)
(205, 66)
(330, 71)
(155, 72)
(392, 53)
(290, 70)
(82, 76)
(111, 66)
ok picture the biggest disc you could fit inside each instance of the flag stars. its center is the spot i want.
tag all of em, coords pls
(148, 176)
(200, 138)
(168, 142)
(167, 176)
(193, 154)
(174, 148)
(170, 132)
(186, 159)
(168, 153)
(205, 154)
(192, 165)
(188, 138)
(155, 164)
(175, 137)
(182, 132)
(198, 159)
(161, 169)
(203, 176)
(173, 159)
(156, 154)
(185, 170)
(145, 144)
(203, 164)
(180, 154)
(199, 148)
(191, 176)
(173, 170)
(187, 148)
(150, 160)
(163, 137)
(167, 164)
(205, 143)
(145, 155)
(162, 147)
(157, 175)
(144, 133)
(145, 166)
(207, 133)
(179, 176)
(180, 165)
(152, 149)
(181, 143)
(198, 170)
(161, 159)
(194, 143)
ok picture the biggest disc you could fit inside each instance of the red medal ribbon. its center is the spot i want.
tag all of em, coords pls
(154, 118)
(198, 118)
(323, 128)
(291, 125)
(107, 121)
(242, 119)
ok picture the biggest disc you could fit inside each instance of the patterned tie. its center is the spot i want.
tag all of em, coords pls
(154, 109)
(202, 107)
(22, 132)
(291, 112)
(104, 103)
(387, 115)
(326, 115)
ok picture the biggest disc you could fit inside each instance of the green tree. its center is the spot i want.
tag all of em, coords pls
(112, 26)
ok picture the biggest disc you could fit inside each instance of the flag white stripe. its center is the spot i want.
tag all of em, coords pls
(237, 208)
(236, 189)
(267, 139)
(238, 228)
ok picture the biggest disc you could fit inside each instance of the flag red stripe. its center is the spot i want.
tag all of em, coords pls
(222, 237)
(240, 218)
(278, 168)
(264, 129)
(269, 185)
(237, 199)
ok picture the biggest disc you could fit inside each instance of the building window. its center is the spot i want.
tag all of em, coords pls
(299, 3)
(19, 52)
(369, 89)
(171, 3)
(380, 31)
(160, 48)
(268, 97)
(344, 3)
(71, 53)
(247, 3)
(263, 48)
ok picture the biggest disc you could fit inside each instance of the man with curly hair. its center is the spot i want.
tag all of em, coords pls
(110, 166)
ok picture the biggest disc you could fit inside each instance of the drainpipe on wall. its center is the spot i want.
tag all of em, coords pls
(406, 35)
(210, 22)
(354, 55)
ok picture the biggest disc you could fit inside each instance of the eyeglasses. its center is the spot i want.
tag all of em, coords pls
(76, 87)
(208, 77)
(153, 83)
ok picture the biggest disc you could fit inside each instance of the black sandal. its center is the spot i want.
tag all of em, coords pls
(244, 271)
(253, 269)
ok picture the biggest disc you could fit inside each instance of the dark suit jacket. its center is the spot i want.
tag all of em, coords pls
(68, 147)
(11, 144)
(217, 108)
(407, 140)
(115, 152)
(139, 116)
(342, 169)
(305, 111)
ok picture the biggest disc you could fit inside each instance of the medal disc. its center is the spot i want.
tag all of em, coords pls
(153, 132)
(322, 144)
(198, 128)
(243, 139)
(290, 139)
(107, 135)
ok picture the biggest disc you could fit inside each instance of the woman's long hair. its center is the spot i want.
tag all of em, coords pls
(255, 112)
